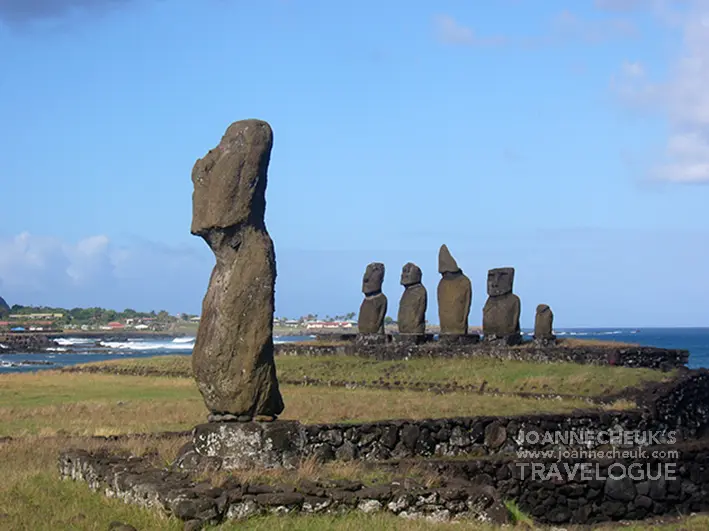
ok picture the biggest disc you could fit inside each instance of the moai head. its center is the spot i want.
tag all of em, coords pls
(543, 308)
(230, 181)
(499, 281)
(446, 263)
(373, 278)
(410, 274)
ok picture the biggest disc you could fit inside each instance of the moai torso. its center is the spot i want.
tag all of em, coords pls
(413, 303)
(455, 293)
(374, 306)
(502, 308)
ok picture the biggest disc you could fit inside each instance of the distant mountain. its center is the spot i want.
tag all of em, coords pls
(4, 307)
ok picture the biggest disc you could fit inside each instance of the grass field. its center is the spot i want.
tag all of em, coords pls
(506, 376)
(50, 402)
(48, 411)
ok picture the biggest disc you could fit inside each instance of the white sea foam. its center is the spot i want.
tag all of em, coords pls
(70, 341)
(57, 349)
(140, 345)
(592, 333)
(9, 364)
(183, 340)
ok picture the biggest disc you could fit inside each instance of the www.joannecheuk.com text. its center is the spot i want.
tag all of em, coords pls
(594, 471)
(614, 453)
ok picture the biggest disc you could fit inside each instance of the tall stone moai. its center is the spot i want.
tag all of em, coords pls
(232, 359)
(413, 303)
(374, 306)
(455, 293)
(502, 308)
(544, 324)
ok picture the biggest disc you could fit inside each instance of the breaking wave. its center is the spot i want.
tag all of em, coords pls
(141, 345)
(71, 341)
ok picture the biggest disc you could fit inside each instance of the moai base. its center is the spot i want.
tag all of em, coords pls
(244, 445)
(458, 339)
(412, 339)
(373, 339)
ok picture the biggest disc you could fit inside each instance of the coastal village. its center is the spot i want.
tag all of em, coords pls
(39, 321)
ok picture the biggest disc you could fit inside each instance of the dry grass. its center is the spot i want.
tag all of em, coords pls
(578, 342)
(32, 497)
(49, 403)
(503, 375)
(311, 470)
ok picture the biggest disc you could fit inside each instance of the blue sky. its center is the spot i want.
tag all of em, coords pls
(567, 139)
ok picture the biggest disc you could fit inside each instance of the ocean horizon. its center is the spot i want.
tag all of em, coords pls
(74, 350)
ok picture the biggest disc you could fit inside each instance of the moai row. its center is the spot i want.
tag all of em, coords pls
(412, 307)
(454, 298)
(501, 312)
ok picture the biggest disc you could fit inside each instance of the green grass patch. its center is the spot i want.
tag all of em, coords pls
(503, 375)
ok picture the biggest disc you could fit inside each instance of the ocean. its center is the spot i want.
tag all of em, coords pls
(76, 350)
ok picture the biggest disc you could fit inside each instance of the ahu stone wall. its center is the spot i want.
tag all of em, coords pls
(134, 480)
(665, 480)
(673, 411)
(624, 356)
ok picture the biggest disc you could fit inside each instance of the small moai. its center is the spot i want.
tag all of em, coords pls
(502, 308)
(374, 306)
(455, 293)
(544, 324)
(412, 306)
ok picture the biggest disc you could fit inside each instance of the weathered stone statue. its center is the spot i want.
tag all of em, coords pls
(544, 324)
(414, 300)
(374, 306)
(232, 359)
(502, 309)
(455, 293)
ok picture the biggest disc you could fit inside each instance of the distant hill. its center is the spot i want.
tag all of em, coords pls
(4, 307)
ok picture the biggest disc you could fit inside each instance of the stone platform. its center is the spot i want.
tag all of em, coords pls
(243, 445)
(397, 347)
(679, 406)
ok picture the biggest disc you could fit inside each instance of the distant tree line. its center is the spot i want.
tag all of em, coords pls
(95, 315)
(315, 317)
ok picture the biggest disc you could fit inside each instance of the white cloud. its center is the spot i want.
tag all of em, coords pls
(633, 69)
(96, 272)
(620, 5)
(564, 27)
(570, 26)
(449, 31)
(682, 97)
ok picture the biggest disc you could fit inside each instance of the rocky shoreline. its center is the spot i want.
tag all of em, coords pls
(29, 342)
